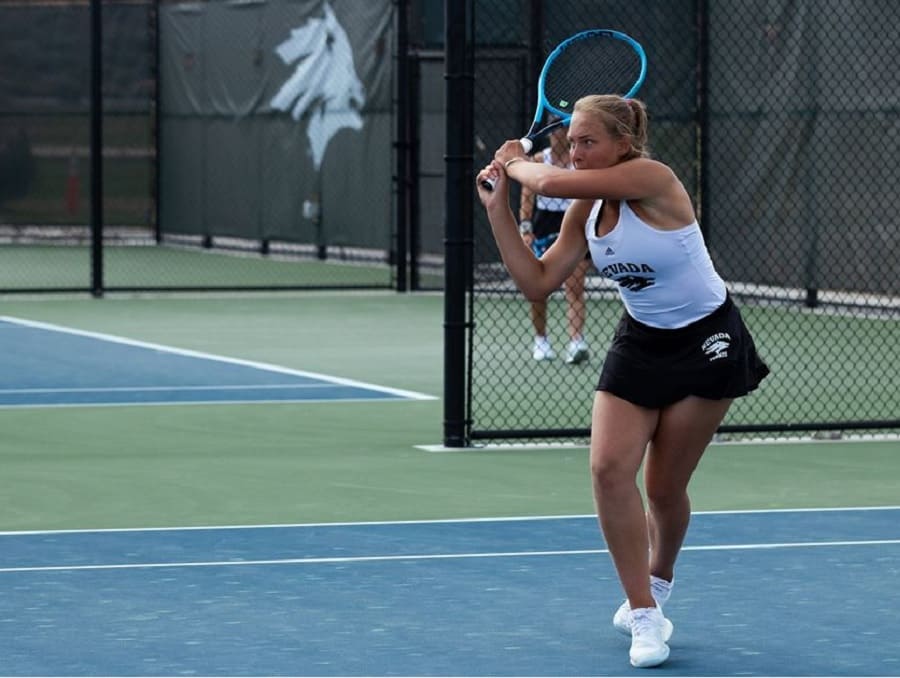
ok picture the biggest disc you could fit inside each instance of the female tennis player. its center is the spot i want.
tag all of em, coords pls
(679, 356)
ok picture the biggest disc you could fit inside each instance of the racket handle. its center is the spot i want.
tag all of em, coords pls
(527, 144)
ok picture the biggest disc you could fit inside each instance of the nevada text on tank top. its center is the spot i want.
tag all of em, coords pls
(666, 278)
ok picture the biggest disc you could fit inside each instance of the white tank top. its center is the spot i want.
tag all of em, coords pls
(666, 278)
(546, 204)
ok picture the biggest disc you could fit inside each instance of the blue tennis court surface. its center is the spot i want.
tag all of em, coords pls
(805, 593)
(45, 365)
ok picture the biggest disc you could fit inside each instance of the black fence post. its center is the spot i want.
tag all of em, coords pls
(701, 98)
(96, 148)
(157, 115)
(401, 147)
(458, 213)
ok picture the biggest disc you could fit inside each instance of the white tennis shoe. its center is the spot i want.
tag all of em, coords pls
(648, 646)
(660, 589)
(542, 349)
(577, 352)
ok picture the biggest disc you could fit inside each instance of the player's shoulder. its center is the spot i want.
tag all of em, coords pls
(581, 207)
(657, 173)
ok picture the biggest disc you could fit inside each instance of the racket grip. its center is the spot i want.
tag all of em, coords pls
(488, 184)
(527, 144)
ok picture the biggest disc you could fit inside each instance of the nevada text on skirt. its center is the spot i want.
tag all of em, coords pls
(713, 358)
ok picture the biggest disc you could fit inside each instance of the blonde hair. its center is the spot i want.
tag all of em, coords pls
(621, 118)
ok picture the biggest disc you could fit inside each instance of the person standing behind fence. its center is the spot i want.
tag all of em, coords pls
(679, 356)
(540, 219)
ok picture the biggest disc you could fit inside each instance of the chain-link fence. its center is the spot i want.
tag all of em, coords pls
(245, 145)
(45, 137)
(781, 118)
(272, 144)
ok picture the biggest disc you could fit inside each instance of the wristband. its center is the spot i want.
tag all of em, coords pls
(525, 226)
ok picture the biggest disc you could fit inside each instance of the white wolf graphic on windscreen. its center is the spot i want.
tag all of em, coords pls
(324, 83)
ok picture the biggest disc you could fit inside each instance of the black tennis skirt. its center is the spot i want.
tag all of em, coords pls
(714, 358)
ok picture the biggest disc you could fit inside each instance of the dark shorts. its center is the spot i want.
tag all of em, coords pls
(545, 227)
(546, 222)
(714, 358)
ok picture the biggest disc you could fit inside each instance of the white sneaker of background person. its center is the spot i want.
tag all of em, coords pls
(542, 349)
(648, 647)
(577, 351)
(660, 589)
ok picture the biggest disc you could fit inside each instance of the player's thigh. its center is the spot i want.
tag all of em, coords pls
(684, 431)
(620, 431)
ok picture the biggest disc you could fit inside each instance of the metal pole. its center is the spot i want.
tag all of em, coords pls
(702, 116)
(157, 118)
(405, 106)
(458, 216)
(96, 18)
(535, 50)
(414, 189)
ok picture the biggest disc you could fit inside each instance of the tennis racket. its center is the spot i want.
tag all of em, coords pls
(598, 61)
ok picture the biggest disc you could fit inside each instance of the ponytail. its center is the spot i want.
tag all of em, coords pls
(639, 130)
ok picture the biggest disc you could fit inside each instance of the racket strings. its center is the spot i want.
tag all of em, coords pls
(599, 65)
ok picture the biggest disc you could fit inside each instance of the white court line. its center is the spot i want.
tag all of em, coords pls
(192, 403)
(433, 556)
(209, 356)
(809, 439)
(431, 521)
(131, 389)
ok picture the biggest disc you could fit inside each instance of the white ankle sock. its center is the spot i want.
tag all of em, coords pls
(661, 589)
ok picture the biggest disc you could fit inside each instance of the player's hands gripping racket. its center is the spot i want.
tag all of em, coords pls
(598, 61)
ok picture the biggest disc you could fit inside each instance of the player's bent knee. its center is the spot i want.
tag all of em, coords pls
(610, 474)
(662, 497)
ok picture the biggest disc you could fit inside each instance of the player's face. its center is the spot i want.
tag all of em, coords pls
(591, 145)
